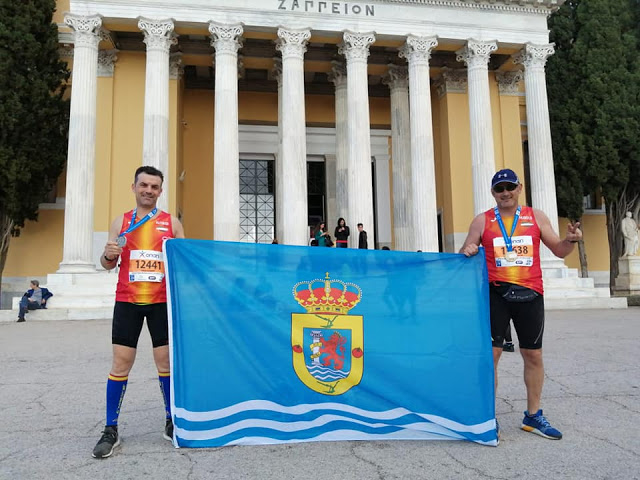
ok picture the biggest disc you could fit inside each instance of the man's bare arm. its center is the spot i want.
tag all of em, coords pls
(559, 247)
(112, 251)
(474, 237)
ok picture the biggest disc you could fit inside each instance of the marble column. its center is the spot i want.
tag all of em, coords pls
(276, 74)
(226, 157)
(476, 55)
(338, 76)
(77, 253)
(355, 48)
(158, 36)
(417, 51)
(543, 184)
(398, 81)
(292, 45)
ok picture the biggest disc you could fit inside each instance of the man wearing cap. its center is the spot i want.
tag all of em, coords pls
(136, 239)
(511, 235)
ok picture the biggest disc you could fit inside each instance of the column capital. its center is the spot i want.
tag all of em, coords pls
(508, 82)
(417, 49)
(106, 62)
(451, 80)
(226, 39)
(338, 74)
(292, 43)
(397, 77)
(176, 69)
(276, 71)
(158, 34)
(355, 46)
(534, 56)
(86, 29)
(476, 53)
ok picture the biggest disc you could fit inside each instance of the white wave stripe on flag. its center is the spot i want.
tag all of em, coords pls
(292, 427)
(342, 435)
(301, 409)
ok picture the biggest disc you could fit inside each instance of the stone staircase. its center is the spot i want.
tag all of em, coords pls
(564, 290)
(90, 296)
(76, 296)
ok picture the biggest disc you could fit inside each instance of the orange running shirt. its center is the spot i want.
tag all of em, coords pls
(525, 269)
(141, 277)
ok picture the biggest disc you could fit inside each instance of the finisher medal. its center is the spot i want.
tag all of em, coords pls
(511, 256)
(121, 241)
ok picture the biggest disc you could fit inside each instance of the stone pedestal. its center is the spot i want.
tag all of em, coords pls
(628, 281)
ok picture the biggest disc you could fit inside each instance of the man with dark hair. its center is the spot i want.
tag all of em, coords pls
(362, 237)
(136, 239)
(511, 235)
(34, 299)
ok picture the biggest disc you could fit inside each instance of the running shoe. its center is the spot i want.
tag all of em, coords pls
(168, 430)
(508, 347)
(106, 444)
(538, 424)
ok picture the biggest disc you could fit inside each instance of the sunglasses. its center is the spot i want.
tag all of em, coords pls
(510, 187)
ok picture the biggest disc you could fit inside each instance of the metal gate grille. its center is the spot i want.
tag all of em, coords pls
(257, 201)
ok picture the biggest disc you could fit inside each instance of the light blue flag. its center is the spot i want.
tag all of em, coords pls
(278, 344)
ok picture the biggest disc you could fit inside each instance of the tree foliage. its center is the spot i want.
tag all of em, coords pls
(594, 102)
(33, 112)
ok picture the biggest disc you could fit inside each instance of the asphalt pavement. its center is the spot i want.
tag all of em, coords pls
(52, 389)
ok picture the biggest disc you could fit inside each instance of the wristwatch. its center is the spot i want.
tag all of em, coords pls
(109, 259)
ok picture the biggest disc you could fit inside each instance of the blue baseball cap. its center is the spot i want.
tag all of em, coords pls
(505, 175)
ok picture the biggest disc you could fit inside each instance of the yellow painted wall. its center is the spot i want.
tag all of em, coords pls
(104, 131)
(454, 144)
(128, 121)
(62, 6)
(594, 230)
(38, 249)
(197, 191)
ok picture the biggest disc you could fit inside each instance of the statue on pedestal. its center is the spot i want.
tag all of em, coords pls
(630, 233)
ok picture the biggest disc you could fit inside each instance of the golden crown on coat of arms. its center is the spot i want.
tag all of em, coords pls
(327, 296)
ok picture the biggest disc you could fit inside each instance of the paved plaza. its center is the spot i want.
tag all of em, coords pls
(52, 388)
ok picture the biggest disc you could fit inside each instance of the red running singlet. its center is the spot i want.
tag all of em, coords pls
(525, 269)
(141, 277)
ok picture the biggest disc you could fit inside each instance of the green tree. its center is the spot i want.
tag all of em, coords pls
(33, 113)
(594, 97)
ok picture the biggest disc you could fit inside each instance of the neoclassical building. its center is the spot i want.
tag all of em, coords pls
(267, 116)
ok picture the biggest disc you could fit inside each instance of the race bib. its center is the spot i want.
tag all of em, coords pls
(522, 246)
(146, 266)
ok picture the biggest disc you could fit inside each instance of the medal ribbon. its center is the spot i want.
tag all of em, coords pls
(133, 225)
(507, 238)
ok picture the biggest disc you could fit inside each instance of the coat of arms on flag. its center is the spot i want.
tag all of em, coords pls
(326, 343)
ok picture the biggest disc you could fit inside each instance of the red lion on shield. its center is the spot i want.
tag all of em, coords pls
(333, 349)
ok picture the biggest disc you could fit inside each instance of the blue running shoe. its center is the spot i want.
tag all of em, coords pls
(538, 424)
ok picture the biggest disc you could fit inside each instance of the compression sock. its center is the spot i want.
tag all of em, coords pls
(165, 388)
(116, 386)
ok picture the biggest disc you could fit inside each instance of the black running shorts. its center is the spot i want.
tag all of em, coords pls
(528, 320)
(128, 319)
